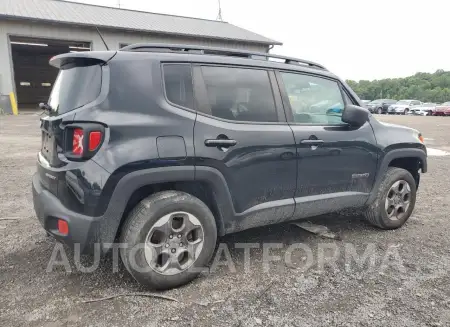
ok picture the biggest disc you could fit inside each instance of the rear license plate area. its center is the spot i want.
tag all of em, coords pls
(48, 145)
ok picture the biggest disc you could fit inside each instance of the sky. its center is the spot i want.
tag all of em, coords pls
(355, 39)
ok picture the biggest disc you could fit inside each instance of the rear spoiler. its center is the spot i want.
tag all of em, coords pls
(80, 58)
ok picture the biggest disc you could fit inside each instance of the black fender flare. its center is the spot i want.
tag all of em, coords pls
(221, 194)
(387, 159)
(128, 184)
(110, 220)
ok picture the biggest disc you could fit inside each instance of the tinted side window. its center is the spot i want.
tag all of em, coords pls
(178, 84)
(239, 94)
(314, 100)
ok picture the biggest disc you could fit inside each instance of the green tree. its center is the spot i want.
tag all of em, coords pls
(426, 87)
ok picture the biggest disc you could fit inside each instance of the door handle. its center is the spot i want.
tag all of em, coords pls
(220, 142)
(312, 142)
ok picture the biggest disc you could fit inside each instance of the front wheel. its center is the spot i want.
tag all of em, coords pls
(395, 200)
(167, 239)
(379, 111)
(405, 112)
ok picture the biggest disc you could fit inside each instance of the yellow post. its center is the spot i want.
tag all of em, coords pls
(12, 97)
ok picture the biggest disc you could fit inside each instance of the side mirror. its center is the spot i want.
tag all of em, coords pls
(355, 116)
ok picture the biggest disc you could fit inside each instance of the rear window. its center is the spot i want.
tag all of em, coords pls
(74, 87)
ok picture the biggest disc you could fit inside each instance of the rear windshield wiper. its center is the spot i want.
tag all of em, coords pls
(45, 107)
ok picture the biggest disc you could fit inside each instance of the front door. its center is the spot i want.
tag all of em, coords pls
(336, 163)
(241, 132)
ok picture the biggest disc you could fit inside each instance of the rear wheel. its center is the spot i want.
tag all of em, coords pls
(395, 200)
(167, 239)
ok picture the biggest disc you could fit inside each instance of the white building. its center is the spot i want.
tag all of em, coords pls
(33, 31)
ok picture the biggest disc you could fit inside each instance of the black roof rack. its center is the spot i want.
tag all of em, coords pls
(181, 48)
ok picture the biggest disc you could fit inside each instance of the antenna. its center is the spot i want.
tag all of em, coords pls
(100, 34)
(219, 15)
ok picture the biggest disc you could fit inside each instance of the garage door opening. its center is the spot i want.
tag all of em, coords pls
(33, 76)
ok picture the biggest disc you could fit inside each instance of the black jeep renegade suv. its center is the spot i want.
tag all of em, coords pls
(164, 148)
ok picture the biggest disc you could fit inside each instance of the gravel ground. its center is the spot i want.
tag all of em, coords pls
(408, 284)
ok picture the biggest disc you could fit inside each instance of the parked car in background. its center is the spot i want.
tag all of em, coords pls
(402, 107)
(365, 103)
(425, 109)
(442, 110)
(380, 106)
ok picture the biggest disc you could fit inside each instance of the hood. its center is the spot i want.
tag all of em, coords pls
(398, 126)
(395, 136)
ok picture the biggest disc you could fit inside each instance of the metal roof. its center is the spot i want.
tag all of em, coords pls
(93, 15)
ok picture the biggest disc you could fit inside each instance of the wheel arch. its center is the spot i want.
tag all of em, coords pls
(411, 160)
(205, 183)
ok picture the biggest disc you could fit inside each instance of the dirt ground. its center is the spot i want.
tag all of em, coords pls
(408, 286)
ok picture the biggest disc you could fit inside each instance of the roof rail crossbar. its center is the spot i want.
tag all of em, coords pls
(182, 48)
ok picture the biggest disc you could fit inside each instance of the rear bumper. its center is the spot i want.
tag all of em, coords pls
(84, 231)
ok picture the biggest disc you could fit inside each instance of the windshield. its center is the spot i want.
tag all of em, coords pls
(75, 87)
(403, 102)
(446, 103)
(376, 101)
(428, 105)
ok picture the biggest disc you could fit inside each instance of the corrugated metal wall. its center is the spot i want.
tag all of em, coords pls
(83, 34)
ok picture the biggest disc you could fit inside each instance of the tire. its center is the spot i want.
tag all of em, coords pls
(142, 220)
(379, 111)
(377, 214)
(406, 111)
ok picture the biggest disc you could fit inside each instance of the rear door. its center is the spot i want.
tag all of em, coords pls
(242, 133)
(336, 163)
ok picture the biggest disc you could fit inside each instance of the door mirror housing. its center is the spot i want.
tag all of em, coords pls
(355, 116)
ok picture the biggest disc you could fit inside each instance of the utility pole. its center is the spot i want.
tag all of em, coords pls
(118, 3)
(219, 15)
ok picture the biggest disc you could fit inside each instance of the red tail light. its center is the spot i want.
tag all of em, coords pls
(77, 142)
(63, 227)
(82, 140)
(94, 140)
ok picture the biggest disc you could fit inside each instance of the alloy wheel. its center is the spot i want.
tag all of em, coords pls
(398, 200)
(174, 243)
